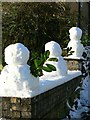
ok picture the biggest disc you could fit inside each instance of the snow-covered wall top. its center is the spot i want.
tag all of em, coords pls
(75, 42)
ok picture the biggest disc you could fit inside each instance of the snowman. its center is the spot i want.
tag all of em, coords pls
(55, 52)
(75, 42)
(15, 78)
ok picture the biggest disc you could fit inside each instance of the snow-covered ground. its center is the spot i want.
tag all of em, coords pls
(83, 103)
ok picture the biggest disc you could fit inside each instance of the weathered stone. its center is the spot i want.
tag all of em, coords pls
(16, 107)
(26, 101)
(26, 107)
(15, 100)
(26, 114)
(74, 64)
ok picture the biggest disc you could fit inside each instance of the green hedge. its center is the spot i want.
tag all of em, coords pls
(35, 23)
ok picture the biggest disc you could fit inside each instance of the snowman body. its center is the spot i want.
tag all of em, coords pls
(16, 78)
(75, 42)
(55, 52)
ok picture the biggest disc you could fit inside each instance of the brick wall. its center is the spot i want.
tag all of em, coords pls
(51, 104)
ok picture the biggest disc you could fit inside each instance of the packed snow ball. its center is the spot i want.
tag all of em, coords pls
(16, 54)
(54, 48)
(75, 33)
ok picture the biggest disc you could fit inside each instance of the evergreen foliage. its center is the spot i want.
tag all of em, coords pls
(36, 23)
(37, 63)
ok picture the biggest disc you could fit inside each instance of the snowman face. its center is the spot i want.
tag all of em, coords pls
(16, 54)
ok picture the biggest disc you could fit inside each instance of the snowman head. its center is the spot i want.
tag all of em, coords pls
(75, 33)
(54, 48)
(16, 54)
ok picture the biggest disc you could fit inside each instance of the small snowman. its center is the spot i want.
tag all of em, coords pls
(55, 52)
(75, 42)
(15, 78)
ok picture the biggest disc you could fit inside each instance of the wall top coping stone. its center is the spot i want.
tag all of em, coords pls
(74, 58)
(50, 83)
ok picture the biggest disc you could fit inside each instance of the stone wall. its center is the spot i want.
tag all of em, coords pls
(0, 33)
(51, 104)
(74, 64)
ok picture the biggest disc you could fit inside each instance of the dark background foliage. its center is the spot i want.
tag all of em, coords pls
(34, 24)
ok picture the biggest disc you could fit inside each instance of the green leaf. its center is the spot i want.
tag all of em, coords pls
(52, 67)
(46, 54)
(36, 63)
(68, 49)
(42, 60)
(70, 53)
(40, 73)
(47, 69)
(53, 59)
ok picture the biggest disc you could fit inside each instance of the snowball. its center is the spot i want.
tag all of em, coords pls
(54, 48)
(75, 33)
(16, 54)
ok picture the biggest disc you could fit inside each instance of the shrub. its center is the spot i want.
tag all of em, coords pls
(36, 23)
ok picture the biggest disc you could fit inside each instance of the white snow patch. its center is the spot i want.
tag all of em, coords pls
(83, 102)
(45, 83)
(85, 93)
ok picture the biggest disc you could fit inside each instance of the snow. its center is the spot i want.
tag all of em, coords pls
(54, 48)
(75, 33)
(16, 54)
(83, 106)
(75, 42)
(74, 58)
(16, 79)
(78, 113)
(84, 94)
(45, 83)
(83, 102)
(55, 52)
(48, 82)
